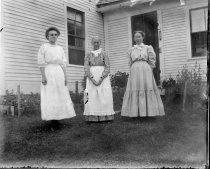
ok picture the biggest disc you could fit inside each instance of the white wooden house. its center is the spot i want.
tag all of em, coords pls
(177, 29)
(24, 24)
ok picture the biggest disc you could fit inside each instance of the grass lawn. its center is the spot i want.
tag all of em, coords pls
(174, 140)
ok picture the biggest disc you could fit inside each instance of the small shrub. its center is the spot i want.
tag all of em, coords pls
(194, 80)
(29, 103)
(167, 83)
(119, 79)
(118, 98)
(170, 89)
(76, 98)
(9, 98)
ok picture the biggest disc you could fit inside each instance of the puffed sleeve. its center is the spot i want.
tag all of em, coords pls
(128, 54)
(41, 57)
(106, 65)
(151, 56)
(64, 60)
(87, 66)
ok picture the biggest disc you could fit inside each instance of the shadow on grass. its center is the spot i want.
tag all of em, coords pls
(176, 138)
(76, 139)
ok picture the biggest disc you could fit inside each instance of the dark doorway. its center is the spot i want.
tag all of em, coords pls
(147, 22)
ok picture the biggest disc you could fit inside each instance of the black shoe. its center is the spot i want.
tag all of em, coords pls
(55, 125)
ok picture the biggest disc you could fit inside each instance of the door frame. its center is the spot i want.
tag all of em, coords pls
(160, 40)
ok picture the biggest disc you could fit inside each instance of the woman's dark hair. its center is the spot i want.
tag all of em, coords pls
(51, 29)
(141, 32)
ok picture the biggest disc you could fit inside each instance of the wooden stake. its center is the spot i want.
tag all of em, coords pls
(18, 100)
(184, 96)
(76, 90)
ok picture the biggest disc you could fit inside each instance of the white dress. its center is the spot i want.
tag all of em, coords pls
(56, 102)
(141, 97)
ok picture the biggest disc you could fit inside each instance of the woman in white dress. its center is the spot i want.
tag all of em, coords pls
(141, 97)
(99, 106)
(56, 102)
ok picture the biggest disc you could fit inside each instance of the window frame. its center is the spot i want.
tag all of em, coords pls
(190, 20)
(83, 10)
(188, 30)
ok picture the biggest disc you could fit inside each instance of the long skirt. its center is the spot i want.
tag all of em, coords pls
(100, 100)
(56, 102)
(141, 97)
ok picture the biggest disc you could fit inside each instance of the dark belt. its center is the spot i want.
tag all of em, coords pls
(138, 60)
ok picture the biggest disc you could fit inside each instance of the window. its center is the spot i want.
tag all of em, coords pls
(198, 22)
(76, 36)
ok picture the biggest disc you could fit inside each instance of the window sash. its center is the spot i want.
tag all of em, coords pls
(199, 49)
(76, 42)
(76, 36)
(74, 27)
(198, 29)
(198, 19)
(76, 56)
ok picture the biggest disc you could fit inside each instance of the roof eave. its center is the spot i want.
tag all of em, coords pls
(116, 6)
(111, 7)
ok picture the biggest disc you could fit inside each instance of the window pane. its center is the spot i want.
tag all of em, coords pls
(79, 17)
(79, 42)
(71, 40)
(71, 14)
(198, 20)
(199, 44)
(71, 27)
(79, 29)
(76, 57)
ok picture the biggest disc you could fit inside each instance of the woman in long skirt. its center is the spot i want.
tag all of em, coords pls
(56, 102)
(99, 106)
(141, 97)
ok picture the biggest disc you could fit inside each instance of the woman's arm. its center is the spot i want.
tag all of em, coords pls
(87, 69)
(65, 76)
(128, 54)
(151, 57)
(63, 66)
(106, 66)
(44, 79)
(42, 63)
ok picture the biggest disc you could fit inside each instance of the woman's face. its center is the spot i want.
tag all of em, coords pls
(138, 38)
(52, 36)
(96, 44)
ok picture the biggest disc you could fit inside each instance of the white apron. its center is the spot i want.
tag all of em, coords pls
(100, 99)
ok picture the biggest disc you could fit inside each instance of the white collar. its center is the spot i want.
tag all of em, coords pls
(139, 46)
(96, 52)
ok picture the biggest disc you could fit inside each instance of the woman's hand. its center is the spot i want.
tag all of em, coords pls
(66, 81)
(100, 81)
(94, 82)
(44, 80)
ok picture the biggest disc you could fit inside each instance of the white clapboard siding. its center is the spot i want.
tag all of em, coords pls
(117, 44)
(174, 37)
(25, 23)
